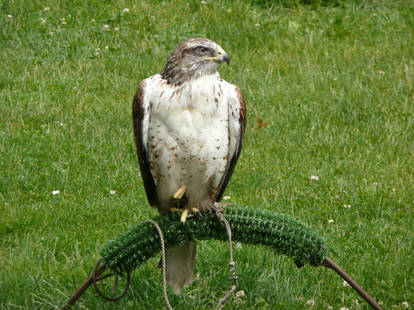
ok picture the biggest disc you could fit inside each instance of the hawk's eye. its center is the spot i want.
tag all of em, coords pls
(202, 49)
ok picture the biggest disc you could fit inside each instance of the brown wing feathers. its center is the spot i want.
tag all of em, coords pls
(233, 160)
(138, 112)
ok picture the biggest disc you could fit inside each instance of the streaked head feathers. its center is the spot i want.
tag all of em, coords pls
(192, 59)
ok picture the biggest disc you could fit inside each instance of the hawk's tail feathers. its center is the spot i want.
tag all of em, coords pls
(180, 264)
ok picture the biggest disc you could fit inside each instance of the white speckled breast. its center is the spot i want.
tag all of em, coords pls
(188, 136)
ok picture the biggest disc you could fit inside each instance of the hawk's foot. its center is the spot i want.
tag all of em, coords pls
(179, 193)
(185, 212)
(196, 212)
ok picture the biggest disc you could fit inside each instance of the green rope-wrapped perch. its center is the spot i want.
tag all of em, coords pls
(280, 232)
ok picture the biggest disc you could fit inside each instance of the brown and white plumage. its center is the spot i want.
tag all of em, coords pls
(189, 127)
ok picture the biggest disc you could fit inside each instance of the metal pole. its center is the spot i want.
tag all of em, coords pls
(327, 262)
(83, 288)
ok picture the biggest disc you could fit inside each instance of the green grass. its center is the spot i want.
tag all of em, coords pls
(334, 84)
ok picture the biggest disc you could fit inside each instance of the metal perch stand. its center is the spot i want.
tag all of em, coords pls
(282, 233)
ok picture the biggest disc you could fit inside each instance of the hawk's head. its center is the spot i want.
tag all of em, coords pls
(193, 59)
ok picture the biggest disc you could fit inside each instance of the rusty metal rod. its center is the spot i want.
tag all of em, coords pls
(327, 262)
(83, 288)
(96, 279)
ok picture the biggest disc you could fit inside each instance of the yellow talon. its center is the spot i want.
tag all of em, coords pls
(185, 211)
(180, 193)
(184, 216)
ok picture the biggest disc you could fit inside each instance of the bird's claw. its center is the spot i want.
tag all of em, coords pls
(179, 193)
(185, 212)
(197, 212)
(184, 216)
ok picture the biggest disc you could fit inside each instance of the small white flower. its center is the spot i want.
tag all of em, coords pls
(96, 54)
(9, 16)
(293, 25)
(106, 48)
(405, 305)
(310, 303)
(112, 192)
(314, 178)
(63, 21)
(240, 293)
(226, 198)
(345, 284)
(42, 21)
(257, 25)
(330, 221)
(330, 308)
(61, 124)
(347, 206)
(126, 10)
(344, 308)
(46, 9)
(105, 28)
(375, 183)
(381, 72)
(375, 15)
(116, 29)
(394, 189)
(55, 192)
(238, 245)
(203, 2)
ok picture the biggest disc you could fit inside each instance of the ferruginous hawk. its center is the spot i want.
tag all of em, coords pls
(189, 127)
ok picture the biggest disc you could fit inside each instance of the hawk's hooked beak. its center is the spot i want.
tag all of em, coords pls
(225, 57)
(221, 56)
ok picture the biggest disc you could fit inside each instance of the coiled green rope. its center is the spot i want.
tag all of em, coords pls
(280, 232)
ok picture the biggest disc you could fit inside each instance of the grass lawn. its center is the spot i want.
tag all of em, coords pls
(329, 92)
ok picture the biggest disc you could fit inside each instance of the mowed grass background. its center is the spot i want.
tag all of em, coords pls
(329, 91)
